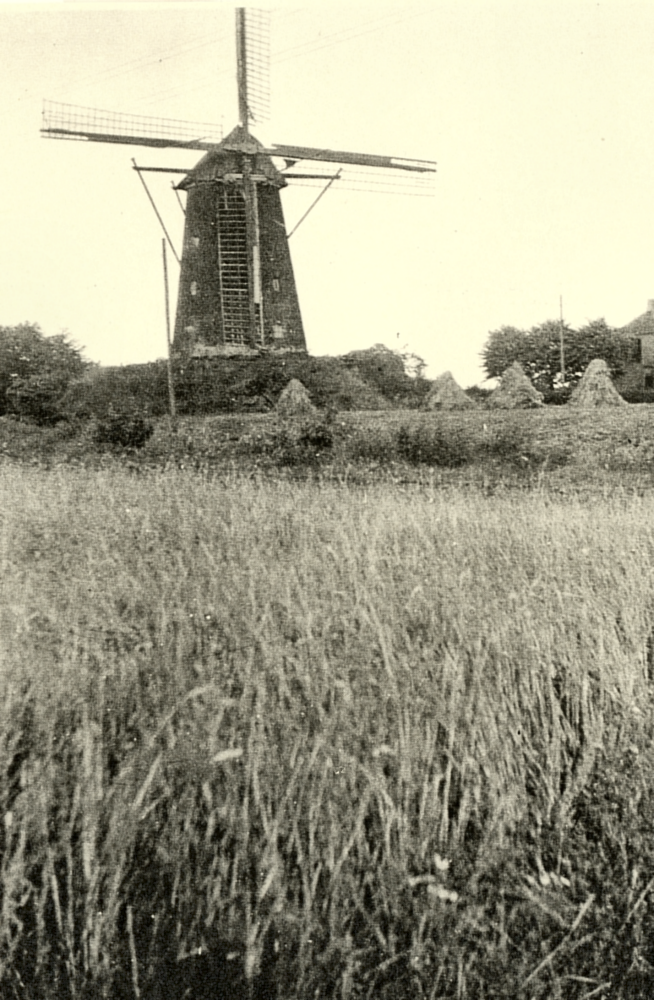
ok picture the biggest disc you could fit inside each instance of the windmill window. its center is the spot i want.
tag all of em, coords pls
(194, 288)
(649, 381)
(278, 331)
(276, 284)
(195, 240)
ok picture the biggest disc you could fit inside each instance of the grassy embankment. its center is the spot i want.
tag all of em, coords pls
(397, 741)
(557, 448)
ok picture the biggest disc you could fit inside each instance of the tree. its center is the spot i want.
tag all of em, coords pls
(538, 351)
(398, 376)
(35, 371)
(503, 347)
(597, 340)
(414, 365)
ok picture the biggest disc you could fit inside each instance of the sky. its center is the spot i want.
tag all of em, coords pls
(538, 114)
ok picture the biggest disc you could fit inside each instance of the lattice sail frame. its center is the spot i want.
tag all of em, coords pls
(70, 121)
(366, 179)
(257, 65)
(398, 176)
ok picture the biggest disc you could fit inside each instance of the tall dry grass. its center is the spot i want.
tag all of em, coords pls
(318, 731)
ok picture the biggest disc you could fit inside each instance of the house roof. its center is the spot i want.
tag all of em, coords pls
(642, 325)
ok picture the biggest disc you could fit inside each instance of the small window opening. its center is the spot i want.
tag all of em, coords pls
(195, 240)
(276, 284)
(194, 288)
(649, 380)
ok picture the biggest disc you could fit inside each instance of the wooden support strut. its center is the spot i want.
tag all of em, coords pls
(156, 211)
(314, 203)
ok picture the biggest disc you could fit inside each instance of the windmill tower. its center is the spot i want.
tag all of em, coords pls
(237, 292)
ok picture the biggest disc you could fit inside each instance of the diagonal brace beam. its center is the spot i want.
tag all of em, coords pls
(315, 202)
(156, 210)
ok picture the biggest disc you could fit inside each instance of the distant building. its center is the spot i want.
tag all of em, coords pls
(639, 370)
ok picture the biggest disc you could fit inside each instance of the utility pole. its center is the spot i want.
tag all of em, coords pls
(561, 340)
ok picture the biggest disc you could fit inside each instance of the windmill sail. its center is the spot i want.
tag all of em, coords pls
(356, 159)
(69, 121)
(253, 64)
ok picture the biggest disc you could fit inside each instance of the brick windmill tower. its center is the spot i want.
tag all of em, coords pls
(237, 292)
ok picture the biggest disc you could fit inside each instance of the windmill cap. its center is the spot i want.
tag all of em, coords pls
(224, 161)
(240, 140)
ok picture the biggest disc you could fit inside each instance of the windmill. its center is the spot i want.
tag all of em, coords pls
(237, 292)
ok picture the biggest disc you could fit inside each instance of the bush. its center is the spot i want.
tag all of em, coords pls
(510, 441)
(638, 395)
(205, 386)
(434, 445)
(557, 397)
(123, 430)
(479, 394)
(291, 442)
(372, 444)
(35, 371)
(233, 385)
(514, 442)
(123, 389)
(39, 399)
(386, 371)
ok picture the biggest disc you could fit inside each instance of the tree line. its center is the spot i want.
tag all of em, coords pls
(48, 379)
(538, 351)
(42, 378)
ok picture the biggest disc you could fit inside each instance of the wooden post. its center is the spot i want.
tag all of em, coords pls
(171, 388)
(561, 339)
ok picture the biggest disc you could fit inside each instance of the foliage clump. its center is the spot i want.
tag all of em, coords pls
(479, 394)
(128, 429)
(398, 377)
(206, 386)
(376, 445)
(538, 351)
(126, 388)
(36, 371)
(301, 439)
(432, 444)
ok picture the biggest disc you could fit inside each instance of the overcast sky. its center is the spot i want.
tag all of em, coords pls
(540, 115)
